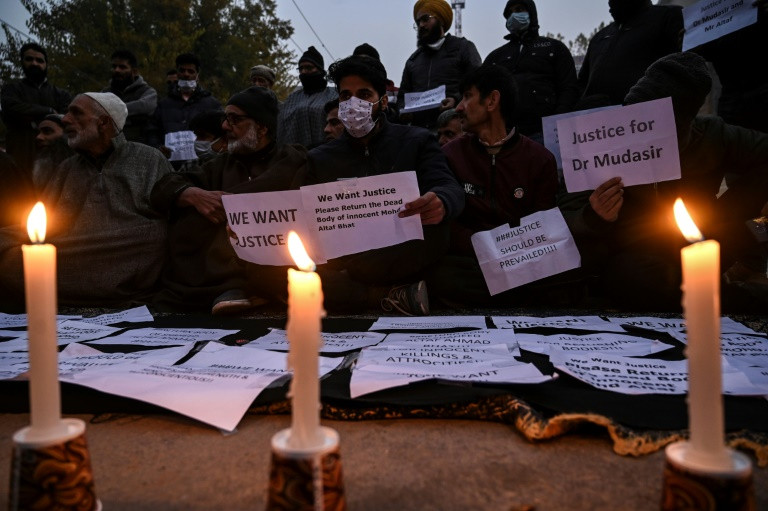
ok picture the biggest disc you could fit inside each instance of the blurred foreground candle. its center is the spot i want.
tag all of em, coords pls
(305, 310)
(40, 288)
(701, 304)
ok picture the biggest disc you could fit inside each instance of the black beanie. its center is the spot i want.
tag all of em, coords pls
(258, 103)
(683, 76)
(313, 56)
(367, 49)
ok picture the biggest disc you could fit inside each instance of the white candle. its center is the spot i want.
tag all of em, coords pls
(305, 310)
(701, 304)
(40, 288)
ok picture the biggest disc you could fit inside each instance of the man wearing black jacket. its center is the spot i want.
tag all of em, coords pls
(542, 67)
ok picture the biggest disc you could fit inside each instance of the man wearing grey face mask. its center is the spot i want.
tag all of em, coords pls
(543, 68)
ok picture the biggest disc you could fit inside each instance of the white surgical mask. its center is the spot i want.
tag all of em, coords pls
(518, 22)
(355, 115)
(203, 147)
(187, 84)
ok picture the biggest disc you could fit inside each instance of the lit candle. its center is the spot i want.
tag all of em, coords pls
(701, 304)
(305, 310)
(40, 288)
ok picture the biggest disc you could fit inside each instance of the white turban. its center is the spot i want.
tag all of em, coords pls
(113, 105)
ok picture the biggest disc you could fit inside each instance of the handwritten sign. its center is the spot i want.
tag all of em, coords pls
(539, 247)
(636, 142)
(427, 100)
(182, 145)
(708, 20)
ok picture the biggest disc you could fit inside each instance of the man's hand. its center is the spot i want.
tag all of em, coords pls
(607, 199)
(207, 203)
(447, 103)
(428, 206)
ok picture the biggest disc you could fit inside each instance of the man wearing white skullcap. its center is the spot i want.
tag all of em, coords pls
(110, 240)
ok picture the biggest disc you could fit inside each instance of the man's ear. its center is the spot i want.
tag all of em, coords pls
(384, 100)
(493, 101)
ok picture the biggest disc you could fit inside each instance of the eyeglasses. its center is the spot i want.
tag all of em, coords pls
(235, 119)
(421, 20)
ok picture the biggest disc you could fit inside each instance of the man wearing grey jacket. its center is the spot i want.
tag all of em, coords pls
(139, 97)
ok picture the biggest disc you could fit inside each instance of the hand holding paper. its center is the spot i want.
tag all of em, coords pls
(207, 203)
(607, 199)
(429, 206)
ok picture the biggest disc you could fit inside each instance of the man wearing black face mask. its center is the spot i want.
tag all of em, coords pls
(619, 54)
(302, 115)
(27, 101)
(140, 98)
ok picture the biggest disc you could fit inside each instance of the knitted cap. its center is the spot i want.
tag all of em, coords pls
(367, 49)
(258, 103)
(54, 118)
(113, 105)
(438, 8)
(683, 76)
(264, 72)
(313, 57)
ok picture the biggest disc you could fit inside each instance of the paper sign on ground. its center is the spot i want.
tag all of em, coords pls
(66, 332)
(636, 142)
(380, 368)
(135, 315)
(642, 375)
(539, 247)
(727, 325)
(428, 323)
(610, 343)
(744, 350)
(215, 386)
(758, 376)
(708, 20)
(181, 144)
(276, 339)
(12, 365)
(262, 221)
(549, 130)
(455, 341)
(165, 336)
(354, 215)
(590, 323)
(427, 100)
(20, 320)
(72, 361)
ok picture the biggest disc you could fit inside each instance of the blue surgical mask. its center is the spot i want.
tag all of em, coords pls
(518, 22)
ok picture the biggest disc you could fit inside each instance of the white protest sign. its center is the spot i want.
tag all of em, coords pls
(165, 336)
(66, 332)
(15, 344)
(135, 315)
(72, 361)
(13, 365)
(359, 214)
(512, 256)
(758, 376)
(20, 320)
(427, 100)
(727, 325)
(708, 20)
(428, 323)
(262, 221)
(277, 339)
(744, 350)
(549, 130)
(614, 344)
(182, 145)
(636, 142)
(590, 323)
(455, 341)
(627, 375)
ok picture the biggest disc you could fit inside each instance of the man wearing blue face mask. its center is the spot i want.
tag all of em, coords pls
(542, 67)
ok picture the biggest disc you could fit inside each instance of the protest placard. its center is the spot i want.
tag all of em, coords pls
(539, 247)
(277, 339)
(708, 20)
(428, 323)
(636, 142)
(610, 343)
(182, 145)
(590, 323)
(427, 100)
(549, 130)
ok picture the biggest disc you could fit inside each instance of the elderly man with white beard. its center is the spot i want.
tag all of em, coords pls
(203, 270)
(110, 240)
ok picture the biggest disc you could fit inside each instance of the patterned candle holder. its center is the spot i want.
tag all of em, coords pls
(306, 479)
(54, 474)
(688, 486)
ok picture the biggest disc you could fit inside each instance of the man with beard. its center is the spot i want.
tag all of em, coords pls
(52, 149)
(441, 59)
(110, 241)
(184, 102)
(139, 97)
(389, 277)
(619, 54)
(25, 102)
(542, 67)
(203, 268)
(302, 115)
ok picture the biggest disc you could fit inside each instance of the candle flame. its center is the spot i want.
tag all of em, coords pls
(299, 253)
(685, 222)
(36, 223)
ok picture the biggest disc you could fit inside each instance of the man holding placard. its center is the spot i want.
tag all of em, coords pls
(371, 146)
(626, 234)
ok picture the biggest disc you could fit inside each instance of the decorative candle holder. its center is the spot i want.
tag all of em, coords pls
(54, 473)
(691, 485)
(309, 479)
